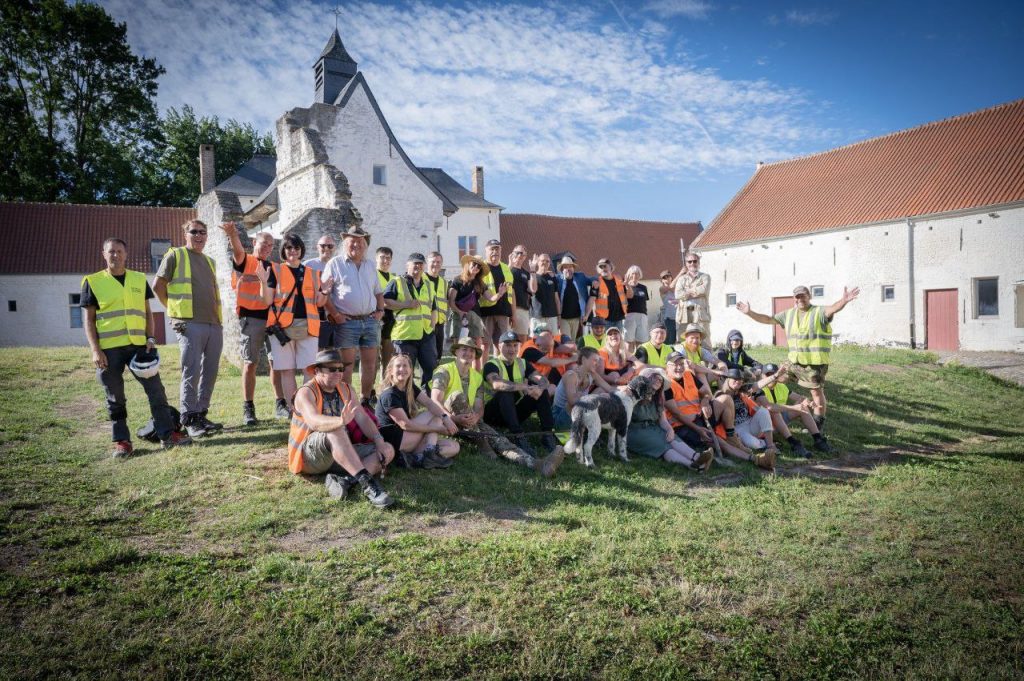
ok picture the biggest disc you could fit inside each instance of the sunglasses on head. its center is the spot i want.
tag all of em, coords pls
(197, 232)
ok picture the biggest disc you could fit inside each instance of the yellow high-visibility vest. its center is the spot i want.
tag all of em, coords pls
(440, 297)
(492, 288)
(179, 288)
(121, 317)
(476, 380)
(412, 324)
(809, 336)
(656, 357)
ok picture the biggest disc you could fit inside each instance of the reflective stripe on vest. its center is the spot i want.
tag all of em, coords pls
(121, 317)
(656, 357)
(491, 288)
(778, 395)
(247, 293)
(686, 397)
(299, 431)
(601, 304)
(809, 336)
(179, 288)
(307, 296)
(440, 296)
(476, 380)
(411, 324)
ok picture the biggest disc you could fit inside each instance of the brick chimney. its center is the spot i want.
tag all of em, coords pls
(207, 174)
(478, 181)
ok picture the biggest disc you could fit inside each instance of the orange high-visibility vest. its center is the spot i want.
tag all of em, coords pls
(247, 293)
(751, 408)
(608, 366)
(285, 284)
(685, 396)
(543, 369)
(299, 431)
(601, 305)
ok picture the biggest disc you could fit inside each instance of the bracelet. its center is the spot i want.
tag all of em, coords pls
(151, 340)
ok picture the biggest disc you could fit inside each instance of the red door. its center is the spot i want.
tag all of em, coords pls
(778, 305)
(942, 324)
(159, 331)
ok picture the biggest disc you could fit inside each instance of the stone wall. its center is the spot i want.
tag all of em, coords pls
(214, 208)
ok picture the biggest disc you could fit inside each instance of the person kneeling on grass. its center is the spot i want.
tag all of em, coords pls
(414, 436)
(743, 424)
(651, 434)
(785, 406)
(319, 443)
(735, 356)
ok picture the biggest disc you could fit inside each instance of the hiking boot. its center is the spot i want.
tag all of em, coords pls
(281, 410)
(249, 414)
(823, 446)
(549, 442)
(549, 464)
(702, 462)
(765, 459)
(735, 441)
(194, 426)
(208, 424)
(373, 493)
(175, 439)
(122, 449)
(338, 485)
(799, 450)
(432, 459)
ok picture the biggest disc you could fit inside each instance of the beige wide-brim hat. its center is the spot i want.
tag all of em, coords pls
(356, 232)
(485, 269)
(566, 262)
(467, 343)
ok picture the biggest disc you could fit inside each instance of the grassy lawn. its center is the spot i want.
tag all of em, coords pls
(901, 559)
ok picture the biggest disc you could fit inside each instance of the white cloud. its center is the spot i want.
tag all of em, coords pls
(692, 9)
(530, 92)
(809, 17)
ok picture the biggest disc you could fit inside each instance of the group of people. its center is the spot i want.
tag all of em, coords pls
(526, 341)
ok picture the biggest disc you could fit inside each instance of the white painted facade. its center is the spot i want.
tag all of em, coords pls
(44, 307)
(482, 223)
(950, 251)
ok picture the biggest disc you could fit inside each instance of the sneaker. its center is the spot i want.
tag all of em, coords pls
(122, 449)
(374, 494)
(281, 410)
(432, 459)
(800, 450)
(249, 414)
(194, 426)
(702, 462)
(208, 424)
(338, 485)
(823, 446)
(176, 439)
(549, 465)
(765, 459)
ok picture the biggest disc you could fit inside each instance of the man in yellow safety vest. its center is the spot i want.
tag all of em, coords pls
(119, 326)
(412, 299)
(809, 332)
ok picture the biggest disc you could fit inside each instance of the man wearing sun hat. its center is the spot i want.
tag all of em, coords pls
(574, 294)
(319, 442)
(809, 332)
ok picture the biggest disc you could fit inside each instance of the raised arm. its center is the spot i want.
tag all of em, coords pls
(756, 316)
(848, 296)
(237, 251)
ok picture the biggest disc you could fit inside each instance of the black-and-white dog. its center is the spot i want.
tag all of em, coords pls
(614, 412)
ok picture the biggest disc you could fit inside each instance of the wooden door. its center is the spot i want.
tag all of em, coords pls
(942, 324)
(778, 305)
(159, 328)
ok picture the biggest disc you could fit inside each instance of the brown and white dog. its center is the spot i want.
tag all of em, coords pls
(593, 412)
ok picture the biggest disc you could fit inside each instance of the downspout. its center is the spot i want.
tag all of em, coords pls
(910, 280)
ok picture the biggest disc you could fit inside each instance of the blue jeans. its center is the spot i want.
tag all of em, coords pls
(563, 420)
(358, 333)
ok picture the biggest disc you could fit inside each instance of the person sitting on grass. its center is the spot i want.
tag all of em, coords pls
(786, 405)
(651, 434)
(318, 441)
(688, 404)
(580, 379)
(548, 355)
(742, 423)
(414, 436)
(735, 356)
(655, 352)
(595, 339)
(617, 365)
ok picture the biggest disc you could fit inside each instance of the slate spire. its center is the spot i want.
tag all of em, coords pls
(333, 70)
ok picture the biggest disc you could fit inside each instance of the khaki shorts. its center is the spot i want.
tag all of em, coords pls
(810, 376)
(252, 332)
(521, 322)
(316, 453)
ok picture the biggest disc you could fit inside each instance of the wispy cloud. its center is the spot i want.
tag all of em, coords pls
(809, 17)
(531, 92)
(693, 9)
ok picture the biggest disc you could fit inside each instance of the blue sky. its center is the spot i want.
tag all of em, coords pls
(645, 109)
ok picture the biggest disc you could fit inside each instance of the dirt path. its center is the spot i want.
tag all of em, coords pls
(1008, 366)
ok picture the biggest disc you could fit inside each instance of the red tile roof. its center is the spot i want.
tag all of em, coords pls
(968, 161)
(654, 246)
(53, 238)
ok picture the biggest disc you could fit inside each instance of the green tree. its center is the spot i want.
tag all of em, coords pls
(81, 124)
(175, 175)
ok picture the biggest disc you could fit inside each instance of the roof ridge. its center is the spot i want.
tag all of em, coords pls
(894, 133)
(573, 217)
(91, 205)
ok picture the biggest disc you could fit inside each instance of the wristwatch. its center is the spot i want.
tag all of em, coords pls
(151, 341)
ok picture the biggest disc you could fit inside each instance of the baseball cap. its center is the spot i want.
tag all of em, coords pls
(604, 261)
(658, 325)
(735, 374)
(509, 337)
(801, 290)
(675, 356)
(597, 321)
(493, 242)
(664, 273)
(416, 257)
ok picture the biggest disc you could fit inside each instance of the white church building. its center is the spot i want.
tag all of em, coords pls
(928, 222)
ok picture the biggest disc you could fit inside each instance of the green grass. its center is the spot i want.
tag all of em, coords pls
(213, 561)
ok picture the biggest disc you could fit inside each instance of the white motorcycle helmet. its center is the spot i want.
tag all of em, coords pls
(145, 364)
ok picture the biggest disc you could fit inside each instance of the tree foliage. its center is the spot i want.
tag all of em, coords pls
(80, 121)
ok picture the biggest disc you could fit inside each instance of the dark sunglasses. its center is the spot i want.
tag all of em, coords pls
(335, 370)
(327, 246)
(692, 262)
(197, 232)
